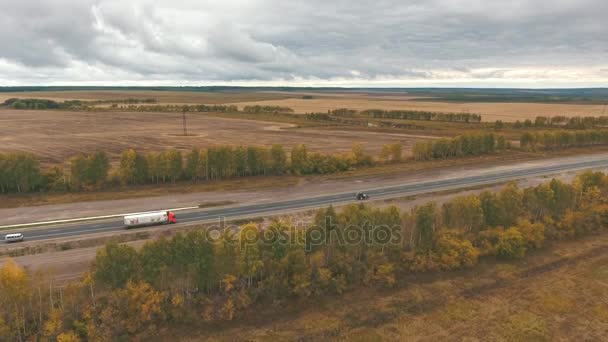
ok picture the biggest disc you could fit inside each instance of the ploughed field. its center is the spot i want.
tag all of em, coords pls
(57, 135)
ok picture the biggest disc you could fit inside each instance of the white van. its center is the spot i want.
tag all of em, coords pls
(17, 237)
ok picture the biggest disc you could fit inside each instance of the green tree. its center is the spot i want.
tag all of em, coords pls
(191, 171)
(78, 171)
(127, 170)
(174, 161)
(491, 207)
(115, 265)
(425, 217)
(299, 160)
(511, 202)
(250, 257)
(511, 244)
(98, 168)
(464, 212)
(279, 159)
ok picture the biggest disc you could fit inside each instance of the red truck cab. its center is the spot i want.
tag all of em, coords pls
(171, 217)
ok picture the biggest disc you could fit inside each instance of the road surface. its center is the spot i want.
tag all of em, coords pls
(256, 210)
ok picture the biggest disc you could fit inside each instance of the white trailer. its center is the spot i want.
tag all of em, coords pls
(148, 219)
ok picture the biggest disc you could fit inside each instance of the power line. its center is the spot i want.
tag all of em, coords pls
(184, 122)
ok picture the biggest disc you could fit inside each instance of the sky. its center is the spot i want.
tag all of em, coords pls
(356, 43)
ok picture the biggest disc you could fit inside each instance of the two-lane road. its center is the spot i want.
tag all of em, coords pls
(256, 210)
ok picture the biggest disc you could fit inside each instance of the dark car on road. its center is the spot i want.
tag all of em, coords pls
(361, 196)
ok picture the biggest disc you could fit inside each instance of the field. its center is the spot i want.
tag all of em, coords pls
(508, 112)
(508, 109)
(58, 135)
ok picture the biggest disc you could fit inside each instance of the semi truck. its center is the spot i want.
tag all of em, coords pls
(149, 219)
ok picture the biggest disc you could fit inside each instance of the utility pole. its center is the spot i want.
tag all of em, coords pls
(184, 121)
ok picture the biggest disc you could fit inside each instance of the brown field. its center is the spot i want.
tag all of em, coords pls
(324, 101)
(508, 112)
(58, 135)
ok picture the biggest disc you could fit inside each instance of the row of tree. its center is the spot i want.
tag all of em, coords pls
(585, 122)
(421, 115)
(40, 104)
(223, 162)
(127, 104)
(21, 172)
(340, 115)
(562, 139)
(201, 108)
(462, 145)
(216, 274)
(257, 109)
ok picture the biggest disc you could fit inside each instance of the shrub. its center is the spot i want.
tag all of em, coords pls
(533, 233)
(511, 244)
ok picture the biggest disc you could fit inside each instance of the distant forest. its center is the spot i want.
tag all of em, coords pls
(573, 95)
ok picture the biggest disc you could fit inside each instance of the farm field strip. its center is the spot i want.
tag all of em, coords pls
(56, 136)
(489, 111)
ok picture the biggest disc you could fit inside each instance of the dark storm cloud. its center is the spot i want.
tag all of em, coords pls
(302, 41)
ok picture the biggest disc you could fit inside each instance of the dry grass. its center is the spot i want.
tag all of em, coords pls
(58, 135)
(508, 112)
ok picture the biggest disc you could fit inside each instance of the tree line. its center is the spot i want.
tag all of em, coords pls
(199, 276)
(550, 140)
(575, 122)
(421, 115)
(41, 104)
(127, 104)
(462, 145)
(21, 172)
(343, 115)
(201, 108)
(257, 109)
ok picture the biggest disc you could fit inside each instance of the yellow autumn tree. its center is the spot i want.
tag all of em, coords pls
(53, 325)
(14, 291)
(135, 310)
(14, 281)
(68, 336)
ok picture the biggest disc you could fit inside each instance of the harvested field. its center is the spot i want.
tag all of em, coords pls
(58, 135)
(324, 101)
(508, 112)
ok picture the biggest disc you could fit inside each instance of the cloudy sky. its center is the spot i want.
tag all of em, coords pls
(514, 43)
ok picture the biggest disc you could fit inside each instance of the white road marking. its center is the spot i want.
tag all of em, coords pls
(92, 218)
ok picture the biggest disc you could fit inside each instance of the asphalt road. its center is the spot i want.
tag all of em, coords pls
(256, 210)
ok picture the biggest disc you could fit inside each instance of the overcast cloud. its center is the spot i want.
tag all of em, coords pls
(533, 43)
